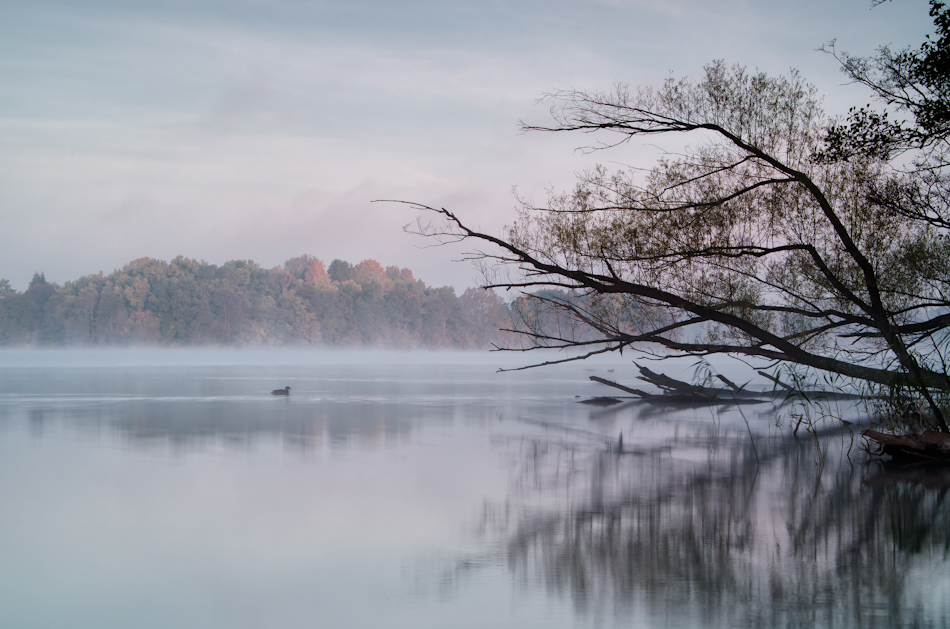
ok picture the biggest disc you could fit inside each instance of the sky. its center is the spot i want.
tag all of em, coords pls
(264, 129)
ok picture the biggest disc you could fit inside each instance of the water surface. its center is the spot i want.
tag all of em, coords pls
(170, 489)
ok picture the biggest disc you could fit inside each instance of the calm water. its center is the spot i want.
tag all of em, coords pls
(169, 489)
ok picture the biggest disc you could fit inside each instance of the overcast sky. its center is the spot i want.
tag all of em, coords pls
(262, 129)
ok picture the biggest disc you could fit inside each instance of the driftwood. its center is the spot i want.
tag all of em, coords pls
(930, 445)
(674, 399)
(677, 392)
(665, 382)
(617, 385)
(602, 401)
(732, 385)
(671, 384)
(681, 393)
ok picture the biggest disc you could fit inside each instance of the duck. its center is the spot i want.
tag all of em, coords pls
(284, 391)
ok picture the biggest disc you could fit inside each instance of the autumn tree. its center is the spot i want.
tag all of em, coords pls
(777, 233)
(190, 302)
(307, 268)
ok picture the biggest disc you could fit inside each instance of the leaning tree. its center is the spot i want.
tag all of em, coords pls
(777, 233)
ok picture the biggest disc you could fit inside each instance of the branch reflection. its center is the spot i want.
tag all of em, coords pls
(699, 531)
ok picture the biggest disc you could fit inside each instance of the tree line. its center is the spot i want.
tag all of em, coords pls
(303, 302)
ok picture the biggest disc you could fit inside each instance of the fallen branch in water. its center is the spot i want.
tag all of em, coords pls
(930, 445)
(665, 382)
(602, 401)
(616, 385)
(678, 392)
(732, 385)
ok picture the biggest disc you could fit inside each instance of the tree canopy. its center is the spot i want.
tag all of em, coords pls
(187, 302)
(778, 233)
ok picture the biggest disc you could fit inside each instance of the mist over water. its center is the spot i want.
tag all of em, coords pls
(158, 488)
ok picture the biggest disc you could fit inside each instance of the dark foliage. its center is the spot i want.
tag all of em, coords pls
(913, 84)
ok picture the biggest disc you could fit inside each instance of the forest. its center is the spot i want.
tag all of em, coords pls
(304, 302)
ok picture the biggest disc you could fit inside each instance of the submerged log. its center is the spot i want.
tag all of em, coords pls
(732, 385)
(930, 445)
(665, 382)
(602, 401)
(712, 393)
(676, 399)
(617, 385)
(692, 395)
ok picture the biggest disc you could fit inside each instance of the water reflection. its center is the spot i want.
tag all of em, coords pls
(196, 407)
(742, 536)
(700, 519)
(194, 425)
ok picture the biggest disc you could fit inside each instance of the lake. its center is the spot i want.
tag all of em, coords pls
(147, 488)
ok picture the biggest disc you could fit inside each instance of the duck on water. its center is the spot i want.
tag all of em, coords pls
(284, 391)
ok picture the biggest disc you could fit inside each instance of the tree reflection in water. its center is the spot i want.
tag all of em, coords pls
(741, 537)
